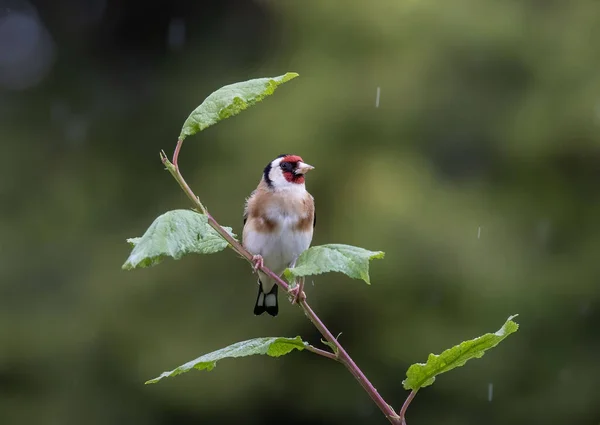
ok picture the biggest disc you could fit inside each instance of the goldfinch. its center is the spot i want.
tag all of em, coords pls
(279, 218)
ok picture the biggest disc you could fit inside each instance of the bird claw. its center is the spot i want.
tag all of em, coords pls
(297, 292)
(258, 262)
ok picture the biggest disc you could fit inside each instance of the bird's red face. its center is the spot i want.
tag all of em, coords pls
(289, 168)
(286, 170)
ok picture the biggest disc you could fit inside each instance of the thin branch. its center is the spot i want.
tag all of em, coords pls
(176, 153)
(410, 397)
(174, 170)
(320, 352)
(342, 355)
(345, 358)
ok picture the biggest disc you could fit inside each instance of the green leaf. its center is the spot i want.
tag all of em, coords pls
(423, 374)
(271, 346)
(350, 260)
(229, 101)
(174, 234)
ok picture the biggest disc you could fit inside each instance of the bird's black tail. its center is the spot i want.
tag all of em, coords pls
(266, 302)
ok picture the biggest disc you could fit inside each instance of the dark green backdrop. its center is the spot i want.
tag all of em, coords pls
(478, 174)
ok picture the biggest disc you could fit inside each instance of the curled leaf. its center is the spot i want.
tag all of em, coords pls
(423, 374)
(271, 346)
(230, 100)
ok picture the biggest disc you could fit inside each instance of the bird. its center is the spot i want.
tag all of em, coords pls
(279, 219)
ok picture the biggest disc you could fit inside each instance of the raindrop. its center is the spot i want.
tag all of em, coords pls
(377, 97)
(479, 232)
(490, 391)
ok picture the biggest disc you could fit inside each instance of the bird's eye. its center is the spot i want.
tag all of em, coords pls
(287, 166)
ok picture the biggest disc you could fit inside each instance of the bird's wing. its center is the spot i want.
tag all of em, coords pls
(314, 210)
(246, 206)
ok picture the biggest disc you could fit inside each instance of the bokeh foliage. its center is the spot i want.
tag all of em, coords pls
(478, 175)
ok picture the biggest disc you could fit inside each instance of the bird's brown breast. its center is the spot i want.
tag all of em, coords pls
(265, 208)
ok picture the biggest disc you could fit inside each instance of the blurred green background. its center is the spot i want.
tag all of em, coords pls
(477, 173)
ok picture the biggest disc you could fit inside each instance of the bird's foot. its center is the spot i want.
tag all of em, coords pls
(258, 262)
(297, 292)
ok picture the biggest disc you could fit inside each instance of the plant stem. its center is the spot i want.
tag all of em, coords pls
(176, 153)
(320, 352)
(341, 355)
(345, 358)
(410, 397)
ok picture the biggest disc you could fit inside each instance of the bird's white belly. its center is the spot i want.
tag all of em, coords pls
(280, 248)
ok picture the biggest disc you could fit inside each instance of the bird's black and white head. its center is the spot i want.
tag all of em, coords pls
(286, 172)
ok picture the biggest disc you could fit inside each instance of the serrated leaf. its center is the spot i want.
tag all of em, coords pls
(350, 260)
(423, 374)
(229, 101)
(271, 346)
(174, 234)
(134, 241)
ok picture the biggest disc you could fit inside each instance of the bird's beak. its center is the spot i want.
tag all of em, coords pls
(303, 168)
